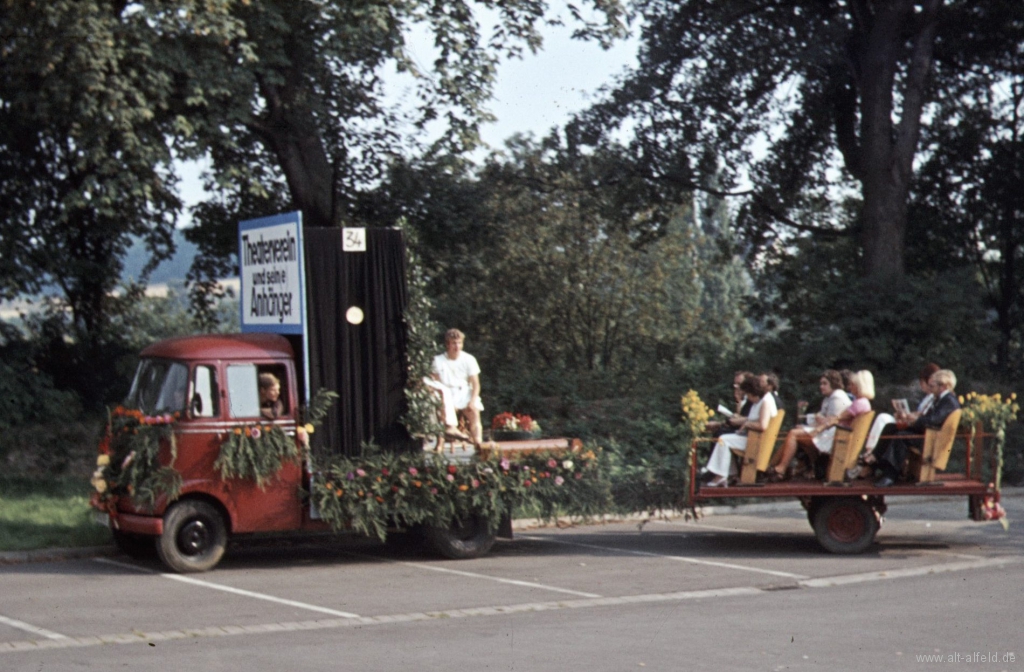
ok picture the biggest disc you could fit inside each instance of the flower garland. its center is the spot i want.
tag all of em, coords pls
(369, 493)
(257, 451)
(129, 458)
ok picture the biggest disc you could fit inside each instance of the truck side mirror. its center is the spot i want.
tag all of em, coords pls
(196, 407)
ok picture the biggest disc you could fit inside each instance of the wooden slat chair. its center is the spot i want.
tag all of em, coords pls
(758, 453)
(938, 444)
(847, 445)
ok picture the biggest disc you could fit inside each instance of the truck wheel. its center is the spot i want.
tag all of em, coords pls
(194, 537)
(845, 525)
(136, 546)
(462, 539)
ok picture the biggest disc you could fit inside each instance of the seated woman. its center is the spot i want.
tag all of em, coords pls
(815, 433)
(720, 465)
(862, 386)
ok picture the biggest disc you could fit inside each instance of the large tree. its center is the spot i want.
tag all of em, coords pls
(99, 98)
(798, 100)
(84, 160)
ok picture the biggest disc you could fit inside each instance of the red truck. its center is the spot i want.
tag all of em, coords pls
(341, 327)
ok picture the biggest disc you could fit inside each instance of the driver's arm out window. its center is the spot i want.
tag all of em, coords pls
(243, 391)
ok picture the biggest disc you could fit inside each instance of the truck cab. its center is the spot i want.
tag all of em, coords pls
(209, 386)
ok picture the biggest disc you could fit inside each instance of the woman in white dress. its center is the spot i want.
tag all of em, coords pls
(862, 386)
(814, 434)
(720, 465)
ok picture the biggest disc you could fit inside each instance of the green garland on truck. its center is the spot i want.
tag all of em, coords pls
(256, 451)
(129, 459)
(371, 493)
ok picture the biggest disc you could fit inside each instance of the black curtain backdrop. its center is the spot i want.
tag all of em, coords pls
(364, 363)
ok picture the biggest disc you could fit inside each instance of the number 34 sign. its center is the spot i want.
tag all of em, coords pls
(353, 239)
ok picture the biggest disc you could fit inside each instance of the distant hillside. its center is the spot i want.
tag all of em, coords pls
(169, 271)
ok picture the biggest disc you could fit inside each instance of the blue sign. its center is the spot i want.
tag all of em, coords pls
(272, 273)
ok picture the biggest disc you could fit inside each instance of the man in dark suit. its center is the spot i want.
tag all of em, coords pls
(891, 455)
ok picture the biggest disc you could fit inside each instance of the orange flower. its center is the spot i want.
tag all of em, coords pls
(380, 500)
(238, 431)
(463, 487)
(339, 492)
(416, 484)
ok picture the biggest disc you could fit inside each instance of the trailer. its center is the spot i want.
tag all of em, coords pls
(846, 513)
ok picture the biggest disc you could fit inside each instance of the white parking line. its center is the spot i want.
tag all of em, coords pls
(678, 558)
(473, 575)
(28, 627)
(230, 589)
(136, 637)
(848, 579)
(719, 528)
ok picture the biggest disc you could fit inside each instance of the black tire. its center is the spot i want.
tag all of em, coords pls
(461, 540)
(845, 525)
(812, 507)
(194, 537)
(136, 546)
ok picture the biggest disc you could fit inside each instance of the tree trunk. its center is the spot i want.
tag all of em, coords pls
(883, 158)
(289, 130)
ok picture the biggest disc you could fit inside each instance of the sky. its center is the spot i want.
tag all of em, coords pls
(531, 95)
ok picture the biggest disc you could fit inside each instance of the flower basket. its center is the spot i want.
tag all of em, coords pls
(514, 427)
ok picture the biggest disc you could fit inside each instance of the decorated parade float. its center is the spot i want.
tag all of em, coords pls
(192, 458)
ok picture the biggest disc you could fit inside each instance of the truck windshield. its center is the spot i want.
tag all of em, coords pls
(159, 387)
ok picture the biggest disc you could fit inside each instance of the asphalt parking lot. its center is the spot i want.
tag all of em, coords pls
(750, 590)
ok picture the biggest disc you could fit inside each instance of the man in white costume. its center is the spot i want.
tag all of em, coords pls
(456, 375)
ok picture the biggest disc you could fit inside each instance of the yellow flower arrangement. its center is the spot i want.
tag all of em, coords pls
(695, 413)
(993, 412)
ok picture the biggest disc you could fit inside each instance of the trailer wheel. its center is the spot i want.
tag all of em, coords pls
(845, 525)
(463, 539)
(194, 537)
(136, 546)
(812, 505)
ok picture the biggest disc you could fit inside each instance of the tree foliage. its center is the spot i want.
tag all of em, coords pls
(803, 100)
(559, 269)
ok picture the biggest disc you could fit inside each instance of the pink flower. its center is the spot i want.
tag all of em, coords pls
(505, 464)
(413, 470)
(559, 480)
(433, 491)
(579, 476)
(552, 463)
(476, 483)
(449, 477)
(360, 473)
(256, 433)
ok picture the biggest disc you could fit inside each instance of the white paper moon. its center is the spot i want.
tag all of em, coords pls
(354, 315)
